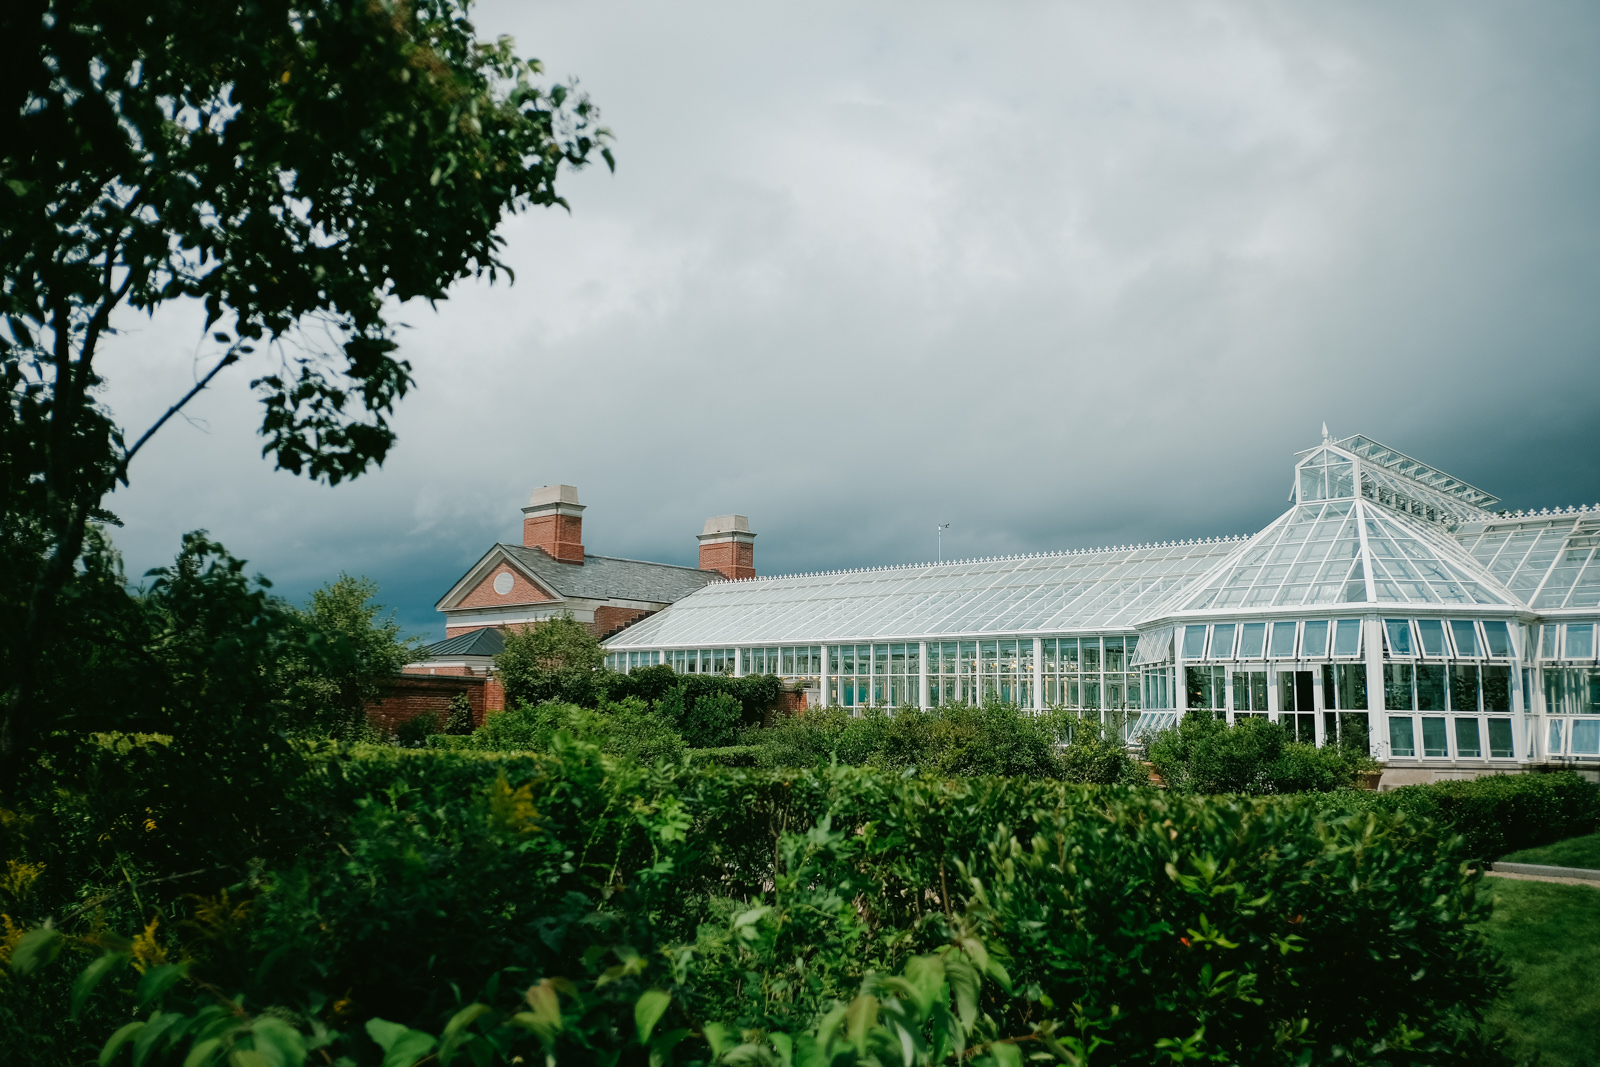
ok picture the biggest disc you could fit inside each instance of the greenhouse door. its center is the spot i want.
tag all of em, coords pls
(1299, 704)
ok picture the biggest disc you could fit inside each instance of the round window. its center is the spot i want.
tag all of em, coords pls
(502, 583)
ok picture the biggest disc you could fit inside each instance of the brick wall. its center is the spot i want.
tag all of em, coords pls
(735, 559)
(609, 620)
(405, 697)
(522, 592)
(559, 535)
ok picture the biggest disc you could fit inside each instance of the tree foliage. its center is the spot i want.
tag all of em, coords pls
(350, 652)
(1202, 754)
(298, 167)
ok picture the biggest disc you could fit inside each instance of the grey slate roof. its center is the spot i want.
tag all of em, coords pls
(486, 642)
(610, 578)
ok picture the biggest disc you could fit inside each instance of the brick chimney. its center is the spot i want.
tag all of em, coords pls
(727, 545)
(553, 521)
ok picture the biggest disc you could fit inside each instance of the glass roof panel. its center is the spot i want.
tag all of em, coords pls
(1305, 557)
(1098, 590)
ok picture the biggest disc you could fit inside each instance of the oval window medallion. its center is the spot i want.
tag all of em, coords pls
(502, 583)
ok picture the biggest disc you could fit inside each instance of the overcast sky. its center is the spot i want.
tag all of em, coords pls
(1061, 275)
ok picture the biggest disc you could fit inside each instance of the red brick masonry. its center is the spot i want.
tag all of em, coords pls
(406, 696)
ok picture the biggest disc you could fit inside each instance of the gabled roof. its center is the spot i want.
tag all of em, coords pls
(1343, 551)
(488, 641)
(1396, 461)
(1046, 593)
(597, 578)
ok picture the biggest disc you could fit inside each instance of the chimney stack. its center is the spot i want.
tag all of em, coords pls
(727, 545)
(553, 521)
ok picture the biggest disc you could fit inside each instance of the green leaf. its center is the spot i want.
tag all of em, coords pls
(85, 983)
(1006, 1054)
(280, 1044)
(719, 1038)
(408, 1049)
(156, 982)
(647, 1012)
(38, 948)
(115, 1042)
(203, 1052)
(455, 1030)
(861, 1015)
(384, 1032)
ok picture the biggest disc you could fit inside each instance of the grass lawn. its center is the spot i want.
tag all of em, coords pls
(1573, 852)
(1550, 935)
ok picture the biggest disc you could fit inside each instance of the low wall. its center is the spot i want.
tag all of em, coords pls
(406, 696)
(1397, 775)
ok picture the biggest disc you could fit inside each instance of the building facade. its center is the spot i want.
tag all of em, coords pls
(1390, 606)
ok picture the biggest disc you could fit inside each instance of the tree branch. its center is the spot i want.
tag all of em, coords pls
(127, 457)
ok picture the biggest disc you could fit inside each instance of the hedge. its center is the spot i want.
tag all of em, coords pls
(1134, 922)
(1497, 814)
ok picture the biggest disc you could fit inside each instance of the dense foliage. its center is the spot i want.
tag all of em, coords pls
(297, 167)
(1203, 754)
(1500, 813)
(992, 738)
(589, 895)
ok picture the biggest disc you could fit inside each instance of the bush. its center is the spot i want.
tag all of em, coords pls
(1094, 754)
(459, 721)
(626, 729)
(712, 722)
(991, 739)
(1145, 926)
(1202, 754)
(1498, 814)
(414, 732)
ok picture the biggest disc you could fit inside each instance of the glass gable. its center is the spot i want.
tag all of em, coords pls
(1326, 475)
(1312, 555)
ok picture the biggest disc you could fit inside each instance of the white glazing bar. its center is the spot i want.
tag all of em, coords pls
(822, 698)
(738, 663)
(1378, 735)
(1038, 674)
(922, 674)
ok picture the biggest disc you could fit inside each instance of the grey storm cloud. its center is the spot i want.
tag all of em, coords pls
(1058, 274)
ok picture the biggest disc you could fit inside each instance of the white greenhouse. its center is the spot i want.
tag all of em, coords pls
(1390, 603)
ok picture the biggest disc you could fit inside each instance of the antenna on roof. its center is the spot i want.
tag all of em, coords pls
(1325, 438)
(939, 533)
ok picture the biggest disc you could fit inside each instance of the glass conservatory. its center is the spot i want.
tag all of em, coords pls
(1390, 607)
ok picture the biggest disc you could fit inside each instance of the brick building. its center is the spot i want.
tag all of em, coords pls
(551, 574)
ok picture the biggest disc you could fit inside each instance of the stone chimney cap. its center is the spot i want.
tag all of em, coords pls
(723, 524)
(554, 494)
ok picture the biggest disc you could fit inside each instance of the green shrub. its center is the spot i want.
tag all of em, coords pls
(729, 755)
(628, 729)
(1202, 754)
(459, 721)
(1094, 754)
(990, 739)
(1145, 925)
(713, 721)
(414, 732)
(1500, 813)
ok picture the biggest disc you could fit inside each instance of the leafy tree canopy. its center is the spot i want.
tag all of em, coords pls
(299, 167)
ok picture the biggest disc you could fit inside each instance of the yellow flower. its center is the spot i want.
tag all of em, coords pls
(510, 809)
(148, 952)
(10, 934)
(216, 918)
(19, 877)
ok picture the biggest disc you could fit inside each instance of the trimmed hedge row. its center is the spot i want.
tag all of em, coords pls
(1497, 814)
(1139, 922)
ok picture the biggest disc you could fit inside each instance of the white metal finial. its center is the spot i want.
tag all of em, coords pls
(1325, 437)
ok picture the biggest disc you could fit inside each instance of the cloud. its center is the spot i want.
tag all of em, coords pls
(1058, 274)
